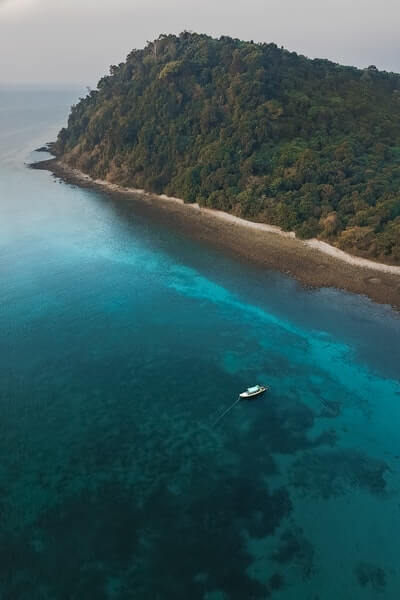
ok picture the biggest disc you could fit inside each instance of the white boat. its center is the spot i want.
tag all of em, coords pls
(254, 391)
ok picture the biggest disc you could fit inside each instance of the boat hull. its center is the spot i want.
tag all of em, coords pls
(247, 396)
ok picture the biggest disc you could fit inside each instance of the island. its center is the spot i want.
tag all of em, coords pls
(305, 148)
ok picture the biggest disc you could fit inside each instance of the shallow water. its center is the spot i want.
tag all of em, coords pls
(121, 342)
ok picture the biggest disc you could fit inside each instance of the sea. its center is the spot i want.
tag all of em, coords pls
(122, 341)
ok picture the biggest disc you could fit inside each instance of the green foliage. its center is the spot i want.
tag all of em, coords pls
(171, 68)
(308, 145)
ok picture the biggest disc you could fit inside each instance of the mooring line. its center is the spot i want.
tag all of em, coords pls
(226, 412)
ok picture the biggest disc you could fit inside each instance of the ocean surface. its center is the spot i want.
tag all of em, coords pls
(121, 341)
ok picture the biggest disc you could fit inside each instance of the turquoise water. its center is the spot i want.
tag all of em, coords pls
(121, 341)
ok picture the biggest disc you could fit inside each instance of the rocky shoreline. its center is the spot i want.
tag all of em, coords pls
(267, 246)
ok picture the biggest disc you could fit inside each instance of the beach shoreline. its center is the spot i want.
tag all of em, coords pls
(313, 262)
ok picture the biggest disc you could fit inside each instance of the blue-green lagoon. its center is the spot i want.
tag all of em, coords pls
(121, 341)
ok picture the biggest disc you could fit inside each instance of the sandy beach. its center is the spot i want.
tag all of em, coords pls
(313, 262)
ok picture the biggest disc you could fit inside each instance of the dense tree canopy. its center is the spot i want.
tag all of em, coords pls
(252, 129)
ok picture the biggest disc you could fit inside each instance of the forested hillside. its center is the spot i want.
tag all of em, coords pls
(252, 129)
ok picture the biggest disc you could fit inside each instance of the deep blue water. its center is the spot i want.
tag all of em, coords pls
(121, 341)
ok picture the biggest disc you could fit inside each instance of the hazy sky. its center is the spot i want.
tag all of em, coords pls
(63, 41)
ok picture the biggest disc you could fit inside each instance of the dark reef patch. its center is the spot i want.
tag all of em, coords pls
(73, 547)
(156, 549)
(295, 548)
(368, 574)
(276, 582)
(332, 472)
(284, 429)
(143, 501)
(331, 409)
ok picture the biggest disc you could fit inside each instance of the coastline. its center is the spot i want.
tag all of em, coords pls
(312, 262)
